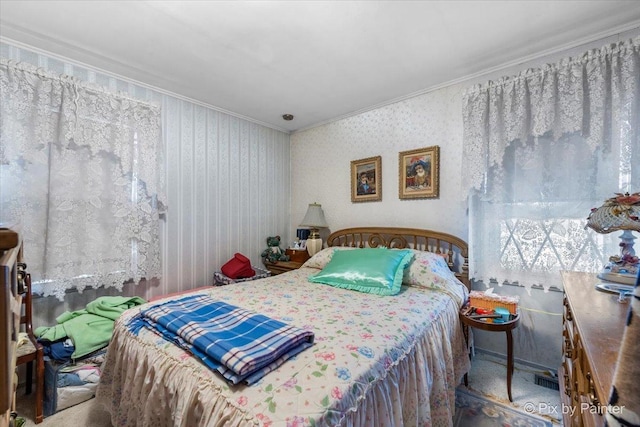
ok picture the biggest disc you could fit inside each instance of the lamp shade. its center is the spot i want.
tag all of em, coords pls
(617, 213)
(314, 217)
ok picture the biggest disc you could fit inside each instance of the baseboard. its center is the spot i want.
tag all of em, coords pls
(533, 365)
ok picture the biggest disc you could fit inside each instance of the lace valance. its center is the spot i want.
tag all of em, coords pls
(573, 95)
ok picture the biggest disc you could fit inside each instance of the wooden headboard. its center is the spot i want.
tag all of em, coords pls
(454, 249)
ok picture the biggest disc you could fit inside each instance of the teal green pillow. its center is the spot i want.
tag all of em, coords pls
(373, 270)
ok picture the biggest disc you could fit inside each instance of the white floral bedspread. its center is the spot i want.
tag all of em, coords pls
(376, 360)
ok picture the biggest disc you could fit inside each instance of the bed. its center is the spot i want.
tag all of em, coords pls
(375, 361)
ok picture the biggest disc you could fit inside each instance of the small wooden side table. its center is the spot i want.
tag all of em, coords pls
(507, 327)
(280, 267)
(297, 255)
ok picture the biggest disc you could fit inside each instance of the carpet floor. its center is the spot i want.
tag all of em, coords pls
(488, 378)
(473, 410)
(487, 382)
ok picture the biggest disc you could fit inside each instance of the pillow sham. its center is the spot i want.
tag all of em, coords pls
(430, 270)
(371, 270)
(322, 258)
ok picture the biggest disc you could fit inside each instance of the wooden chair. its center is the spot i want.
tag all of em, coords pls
(32, 350)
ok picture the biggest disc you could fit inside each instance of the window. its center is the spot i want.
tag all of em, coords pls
(84, 180)
(542, 149)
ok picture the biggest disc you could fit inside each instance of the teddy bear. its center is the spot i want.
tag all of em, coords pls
(273, 253)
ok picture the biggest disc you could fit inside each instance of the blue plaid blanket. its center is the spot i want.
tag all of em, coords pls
(240, 344)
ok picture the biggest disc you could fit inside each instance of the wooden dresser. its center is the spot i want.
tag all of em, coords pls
(592, 334)
(10, 303)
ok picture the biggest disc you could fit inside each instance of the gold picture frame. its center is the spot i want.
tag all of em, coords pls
(366, 179)
(419, 173)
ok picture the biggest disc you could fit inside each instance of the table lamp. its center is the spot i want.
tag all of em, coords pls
(621, 212)
(314, 219)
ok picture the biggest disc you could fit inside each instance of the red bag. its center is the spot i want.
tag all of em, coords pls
(238, 267)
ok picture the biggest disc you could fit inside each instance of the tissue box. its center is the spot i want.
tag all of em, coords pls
(491, 301)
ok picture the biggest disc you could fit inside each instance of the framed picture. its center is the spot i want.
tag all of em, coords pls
(420, 173)
(366, 179)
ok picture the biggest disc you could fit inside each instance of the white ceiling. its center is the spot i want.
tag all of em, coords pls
(318, 60)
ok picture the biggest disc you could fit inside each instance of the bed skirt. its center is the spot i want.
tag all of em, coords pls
(139, 388)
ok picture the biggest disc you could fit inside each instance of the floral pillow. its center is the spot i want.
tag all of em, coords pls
(322, 258)
(430, 270)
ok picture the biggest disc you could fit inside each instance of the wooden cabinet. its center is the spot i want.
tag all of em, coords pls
(592, 333)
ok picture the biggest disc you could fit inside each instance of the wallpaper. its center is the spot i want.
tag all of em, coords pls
(321, 164)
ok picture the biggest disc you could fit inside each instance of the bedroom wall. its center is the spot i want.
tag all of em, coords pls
(321, 164)
(227, 178)
(321, 157)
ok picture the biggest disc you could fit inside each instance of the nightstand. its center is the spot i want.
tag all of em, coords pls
(297, 255)
(282, 266)
(507, 327)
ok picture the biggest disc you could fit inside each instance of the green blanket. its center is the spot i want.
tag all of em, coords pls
(89, 329)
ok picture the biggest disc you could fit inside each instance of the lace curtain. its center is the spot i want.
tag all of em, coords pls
(541, 149)
(81, 175)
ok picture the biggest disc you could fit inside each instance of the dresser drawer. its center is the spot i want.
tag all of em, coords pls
(593, 324)
(569, 379)
(568, 345)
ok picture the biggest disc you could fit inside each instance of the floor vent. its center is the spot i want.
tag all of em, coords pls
(547, 381)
